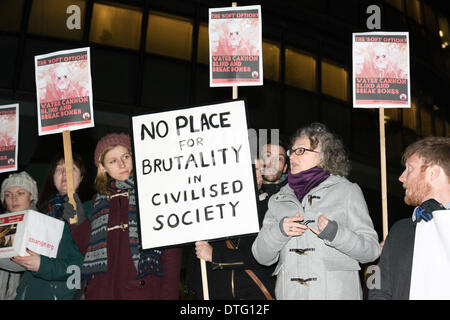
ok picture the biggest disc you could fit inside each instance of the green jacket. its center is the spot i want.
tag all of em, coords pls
(55, 275)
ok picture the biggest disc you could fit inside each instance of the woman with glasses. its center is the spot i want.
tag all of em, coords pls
(317, 227)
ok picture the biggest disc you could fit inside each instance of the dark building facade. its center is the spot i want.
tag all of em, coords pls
(152, 55)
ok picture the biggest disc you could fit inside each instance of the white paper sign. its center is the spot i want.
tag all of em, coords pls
(431, 259)
(28, 230)
(9, 137)
(194, 175)
(235, 46)
(381, 73)
(64, 91)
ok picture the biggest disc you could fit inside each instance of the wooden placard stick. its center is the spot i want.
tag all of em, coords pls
(204, 279)
(383, 173)
(69, 171)
(235, 87)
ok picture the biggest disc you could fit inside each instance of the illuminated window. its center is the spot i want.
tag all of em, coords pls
(429, 17)
(116, 26)
(413, 10)
(392, 114)
(410, 116)
(426, 122)
(397, 4)
(271, 60)
(334, 81)
(49, 17)
(300, 70)
(10, 14)
(203, 44)
(169, 36)
(443, 31)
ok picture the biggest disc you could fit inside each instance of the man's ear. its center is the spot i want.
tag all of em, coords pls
(285, 168)
(434, 173)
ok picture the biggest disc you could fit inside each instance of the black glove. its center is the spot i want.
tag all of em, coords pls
(69, 210)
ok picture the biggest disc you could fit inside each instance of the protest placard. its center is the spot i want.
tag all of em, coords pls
(31, 230)
(64, 91)
(381, 76)
(381, 79)
(194, 175)
(9, 137)
(235, 46)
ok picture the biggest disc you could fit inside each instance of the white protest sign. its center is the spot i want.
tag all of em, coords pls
(235, 46)
(64, 91)
(194, 175)
(9, 137)
(431, 259)
(28, 230)
(381, 75)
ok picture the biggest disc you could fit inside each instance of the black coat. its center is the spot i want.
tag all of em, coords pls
(227, 278)
(396, 262)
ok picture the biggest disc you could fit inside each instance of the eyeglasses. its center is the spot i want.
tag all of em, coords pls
(299, 151)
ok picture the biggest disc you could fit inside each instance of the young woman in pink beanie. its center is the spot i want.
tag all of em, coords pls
(114, 266)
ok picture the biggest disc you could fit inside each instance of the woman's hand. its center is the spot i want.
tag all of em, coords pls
(322, 223)
(292, 226)
(31, 263)
(203, 250)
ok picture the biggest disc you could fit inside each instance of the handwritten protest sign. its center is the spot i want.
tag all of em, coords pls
(194, 175)
(381, 76)
(9, 137)
(64, 91)
(235, 46)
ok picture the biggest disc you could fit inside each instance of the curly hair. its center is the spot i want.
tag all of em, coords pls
(333, 155)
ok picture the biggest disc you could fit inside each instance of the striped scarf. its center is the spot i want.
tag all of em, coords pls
(96, 259)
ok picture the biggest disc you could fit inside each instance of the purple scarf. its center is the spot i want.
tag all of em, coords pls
(304, 181)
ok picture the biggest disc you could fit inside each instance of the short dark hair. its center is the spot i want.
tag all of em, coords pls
(48, 190)
(433, 150)
(281, 141)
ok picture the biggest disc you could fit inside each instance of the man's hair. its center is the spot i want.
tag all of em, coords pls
(432, 150)
(278, 142)
(333, 156)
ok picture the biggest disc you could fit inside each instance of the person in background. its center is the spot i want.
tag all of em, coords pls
(233, 273)
(275, 165)
(317, 226)
(19, 192)
(114, 268)
(46, 278)
(53, 197)
(415, 261)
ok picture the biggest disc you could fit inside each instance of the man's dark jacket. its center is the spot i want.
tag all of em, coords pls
(396, 262)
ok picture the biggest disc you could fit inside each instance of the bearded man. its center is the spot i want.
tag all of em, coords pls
(416, 254)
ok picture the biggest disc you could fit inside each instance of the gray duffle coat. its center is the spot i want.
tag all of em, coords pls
(310, 267)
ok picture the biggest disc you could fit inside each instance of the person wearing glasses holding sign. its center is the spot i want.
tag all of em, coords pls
(317, 227)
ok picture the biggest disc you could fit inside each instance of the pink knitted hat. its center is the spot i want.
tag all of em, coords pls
(111, 140)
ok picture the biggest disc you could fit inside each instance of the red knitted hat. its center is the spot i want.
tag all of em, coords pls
(111, 140)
